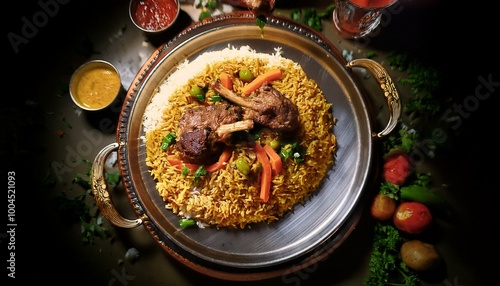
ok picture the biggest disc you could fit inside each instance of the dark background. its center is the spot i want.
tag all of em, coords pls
(459, 38)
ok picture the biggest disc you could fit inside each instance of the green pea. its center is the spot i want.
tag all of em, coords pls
(275, 143)
(246, 75)
(195, 90)
(242, 166)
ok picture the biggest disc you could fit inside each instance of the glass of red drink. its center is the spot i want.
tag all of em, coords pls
(355, 19)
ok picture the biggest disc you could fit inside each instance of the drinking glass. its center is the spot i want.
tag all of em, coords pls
(355, 19)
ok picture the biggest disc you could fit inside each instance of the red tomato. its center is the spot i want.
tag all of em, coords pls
(412, 217)
(397, 168)
(382, 207)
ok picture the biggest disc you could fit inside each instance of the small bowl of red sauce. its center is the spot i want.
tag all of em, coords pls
(154, 16)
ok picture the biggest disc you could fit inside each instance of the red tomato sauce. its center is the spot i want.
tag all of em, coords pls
(154, 14)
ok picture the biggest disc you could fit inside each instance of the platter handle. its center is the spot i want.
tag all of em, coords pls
(389, 89)
(100, 191)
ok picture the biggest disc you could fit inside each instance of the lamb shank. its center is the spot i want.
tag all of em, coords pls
(205, 131)
(258, 7)
(267, 107)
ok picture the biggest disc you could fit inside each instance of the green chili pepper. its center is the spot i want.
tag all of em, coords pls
(168, 140)
(185, 222)
(216, 97)
(425, 196)
(200, 97)
(200, 172)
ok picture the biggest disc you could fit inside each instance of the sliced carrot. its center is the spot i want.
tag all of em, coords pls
(265, 183)
(191, 167)
(174, 160)
(274, 159)
(268, 76)
(226, 80)
(223, 158)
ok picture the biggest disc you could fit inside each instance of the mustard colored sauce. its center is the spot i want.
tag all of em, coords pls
(98, 87)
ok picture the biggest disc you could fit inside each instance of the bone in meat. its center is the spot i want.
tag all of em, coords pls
(204, 131)
(258, 7)
(267, 106)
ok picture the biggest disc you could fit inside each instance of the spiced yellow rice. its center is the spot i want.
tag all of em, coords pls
(226, 197)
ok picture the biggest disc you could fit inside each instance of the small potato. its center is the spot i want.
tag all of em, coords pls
(420, 256)
(382, 207)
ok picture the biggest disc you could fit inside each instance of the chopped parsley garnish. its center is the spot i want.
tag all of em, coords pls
(390, 190)
(311, 17)
(403, 140)
(370, 55)
(424, 83)
(78, 210)
(200, 172)
(386, 266)
(204, 14)
(212, 4)
(261, 21)
(424, 102)
(292, 150)
(206, 9)
(185, 170)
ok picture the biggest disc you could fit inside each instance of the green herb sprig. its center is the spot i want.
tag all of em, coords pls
(386, 265)
(424, 82)
(78, 210)
(311, 17)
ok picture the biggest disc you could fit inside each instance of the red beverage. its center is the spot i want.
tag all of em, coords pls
(371, 3)
(357, 18)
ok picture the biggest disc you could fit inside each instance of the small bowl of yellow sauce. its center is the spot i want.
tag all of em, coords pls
(95, 85)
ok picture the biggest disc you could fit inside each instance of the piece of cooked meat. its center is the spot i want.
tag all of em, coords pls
(258, 7)
(267, 106)
(204, 131)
